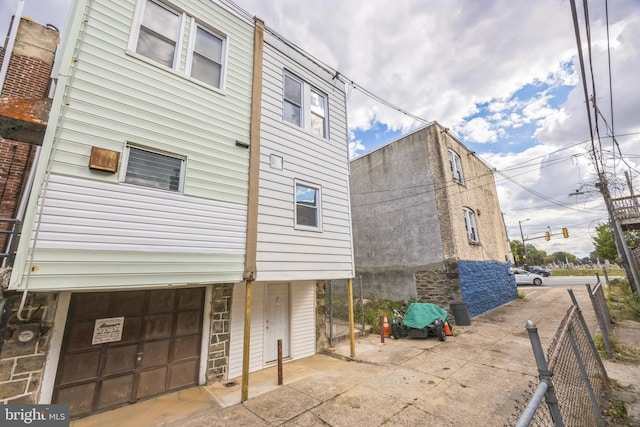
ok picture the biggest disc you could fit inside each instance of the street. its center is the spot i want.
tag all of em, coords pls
(566, 281)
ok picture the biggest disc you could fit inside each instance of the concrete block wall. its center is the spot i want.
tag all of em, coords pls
(486, 285)
(220, 332)
(21, 365)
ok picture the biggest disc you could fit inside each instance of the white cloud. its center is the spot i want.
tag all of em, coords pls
(478, 130)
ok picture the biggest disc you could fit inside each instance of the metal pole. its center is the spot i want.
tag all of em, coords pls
(330, 312)
(279, 362)
(352, 337)
(599, 314)
(364, 327)
(247, 343)
(545, 374)
(524, 245)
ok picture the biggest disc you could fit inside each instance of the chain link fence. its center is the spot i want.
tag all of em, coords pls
(337, 322)
(599, 302)
(573, 381)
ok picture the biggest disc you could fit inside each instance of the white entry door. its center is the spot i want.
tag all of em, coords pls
(276, 321)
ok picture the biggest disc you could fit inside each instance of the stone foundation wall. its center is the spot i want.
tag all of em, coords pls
(322, 341)
(21, 365)
(439, 286)
(220, 332)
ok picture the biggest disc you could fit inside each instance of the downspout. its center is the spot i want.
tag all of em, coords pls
(252, 197)
(59, 117)
(12, 39)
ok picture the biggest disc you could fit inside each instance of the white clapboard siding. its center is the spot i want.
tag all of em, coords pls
(97, 234)
(302, 324)
(117, 98)
(284, 252)
(303, 320)
(236, 345)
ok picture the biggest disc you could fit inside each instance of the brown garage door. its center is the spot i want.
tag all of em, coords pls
(158, 352)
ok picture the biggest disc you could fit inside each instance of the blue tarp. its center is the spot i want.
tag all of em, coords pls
(421, 314)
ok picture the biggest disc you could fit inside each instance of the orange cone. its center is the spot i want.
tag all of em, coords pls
(447, 329)
(385, 327)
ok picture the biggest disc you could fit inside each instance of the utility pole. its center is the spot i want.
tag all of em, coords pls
(524, 245)
(618, 236)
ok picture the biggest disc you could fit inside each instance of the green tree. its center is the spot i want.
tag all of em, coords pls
(606, 246)
(604, 243)
(561, 257)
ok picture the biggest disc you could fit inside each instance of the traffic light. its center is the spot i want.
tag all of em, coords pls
(517, 257)
(547, 235)
(565, 233)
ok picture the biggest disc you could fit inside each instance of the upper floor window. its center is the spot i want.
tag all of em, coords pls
(456, 166)
(207, 56)
(153, 169)
(470, 224)
(305, 106)
(308, 211)
(158, 34)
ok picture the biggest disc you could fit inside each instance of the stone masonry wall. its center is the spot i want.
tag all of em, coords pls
(439, 286)
(486, 285)
(220, 332)
(321, 316)
(21, 365)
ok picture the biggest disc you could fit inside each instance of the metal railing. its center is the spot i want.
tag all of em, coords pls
(627, 208)
(599, 302)
(573, 380)
(9, 237)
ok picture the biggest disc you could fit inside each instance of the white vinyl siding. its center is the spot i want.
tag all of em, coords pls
(284, 251)
(303, 320)
(236, 345)
(118, 98)
(99, 234)
(302, 325)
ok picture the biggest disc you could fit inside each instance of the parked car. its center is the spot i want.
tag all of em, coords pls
(524, 277)
(544, 272)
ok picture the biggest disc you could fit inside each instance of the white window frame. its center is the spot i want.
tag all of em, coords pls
(135, 34)
(318, 206)
(125, 168)
(191, 49)
(305, 106)
(455, 164)
(471, 225)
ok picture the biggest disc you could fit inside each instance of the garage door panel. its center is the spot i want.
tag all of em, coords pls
(79, 398)
(152, 382)
(128, 304)
(155, 353)
(131, 329)
(161, 301)
(158, 326)
(158, 349)
(119, 359)
(188, 323)
(80, 335)
(183, 374)
(186, 347)
(80, 367)
(91, 306)
(190, 299)
(115, 391)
